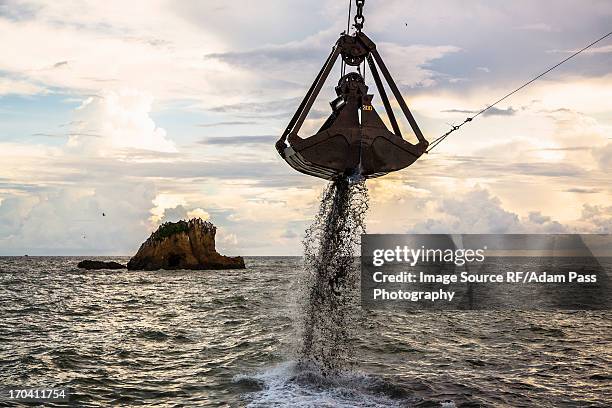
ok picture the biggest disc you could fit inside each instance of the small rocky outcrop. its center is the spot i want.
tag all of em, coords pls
(183, 245)
(89, 264)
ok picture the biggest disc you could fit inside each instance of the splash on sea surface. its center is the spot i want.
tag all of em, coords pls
(292, 385)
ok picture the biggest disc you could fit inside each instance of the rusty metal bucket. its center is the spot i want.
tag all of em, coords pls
(353, 141)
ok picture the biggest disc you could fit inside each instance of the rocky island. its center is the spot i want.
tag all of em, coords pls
(89, 264)
(183, 245)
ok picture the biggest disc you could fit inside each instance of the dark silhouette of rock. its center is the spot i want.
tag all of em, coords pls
(88, 264)
(183, 245)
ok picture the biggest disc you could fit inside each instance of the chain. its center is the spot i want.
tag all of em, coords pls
(359, 18)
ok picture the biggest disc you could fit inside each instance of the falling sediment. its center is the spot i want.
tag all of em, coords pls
(332, 275)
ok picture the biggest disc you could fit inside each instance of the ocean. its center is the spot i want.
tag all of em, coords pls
(228, 338)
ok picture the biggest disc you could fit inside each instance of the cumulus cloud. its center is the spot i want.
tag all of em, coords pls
(198, 213)
(475, 212)
(538, 223)
(63, 211)
(122, 120)
(70, 221)
(174, 214)
(597, 218)
(479, 212)
(181, 212)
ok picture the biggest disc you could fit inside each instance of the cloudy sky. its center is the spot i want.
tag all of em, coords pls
(157, 110)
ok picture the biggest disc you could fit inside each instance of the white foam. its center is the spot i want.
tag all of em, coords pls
(287, 386)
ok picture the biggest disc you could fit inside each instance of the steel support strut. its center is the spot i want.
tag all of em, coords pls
(383, 96)
(398, 97)
(300, 115)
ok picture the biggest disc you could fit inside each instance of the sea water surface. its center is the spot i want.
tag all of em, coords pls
(226, 338)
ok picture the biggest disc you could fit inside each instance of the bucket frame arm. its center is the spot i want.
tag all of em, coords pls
(396, 93)
(300, 115)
